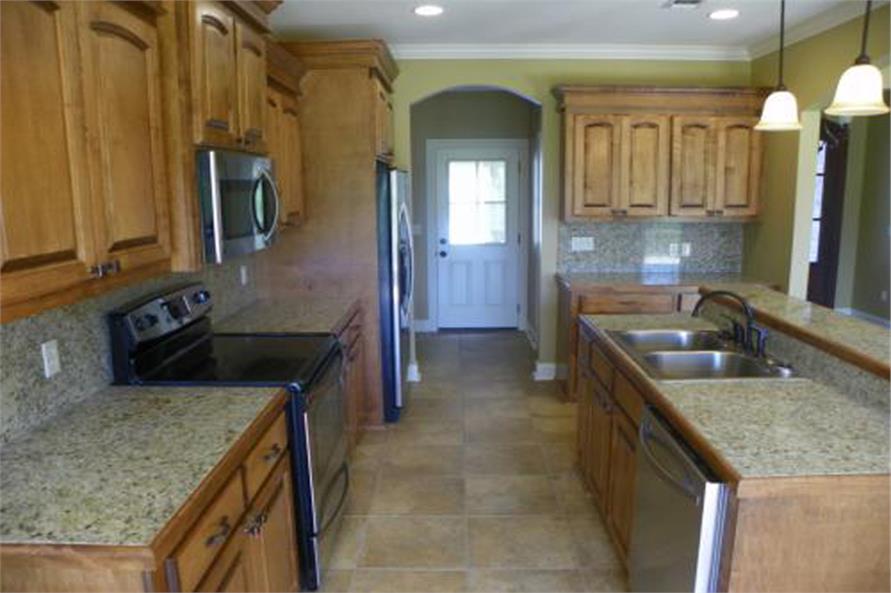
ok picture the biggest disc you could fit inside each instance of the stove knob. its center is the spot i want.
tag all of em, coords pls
(201, 297)
(139, 324)
(151, 319)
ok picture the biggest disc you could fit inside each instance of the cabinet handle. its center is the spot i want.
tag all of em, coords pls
(273, 453)
(256, 525)
(105, 268)
(719, 213)
(220, 535)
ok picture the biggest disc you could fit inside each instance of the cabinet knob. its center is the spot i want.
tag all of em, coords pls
(219, 536)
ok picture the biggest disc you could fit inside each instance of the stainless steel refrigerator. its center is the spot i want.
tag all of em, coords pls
(396, 284)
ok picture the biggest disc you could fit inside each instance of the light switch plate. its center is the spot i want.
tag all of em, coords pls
(686, 248)
(582, 244)
(243, 275)
(51, 363)
(673, 249)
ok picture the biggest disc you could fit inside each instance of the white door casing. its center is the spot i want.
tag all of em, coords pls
(476, 233)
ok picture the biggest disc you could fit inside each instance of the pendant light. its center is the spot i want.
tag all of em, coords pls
(859, 90)
(780, 112)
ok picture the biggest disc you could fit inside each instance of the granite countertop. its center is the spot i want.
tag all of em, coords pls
(869, 339)
(772, 427)
(115, 468)
(297, 314)
(582, 280)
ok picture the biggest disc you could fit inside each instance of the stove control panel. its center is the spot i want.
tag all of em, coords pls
(163, 313)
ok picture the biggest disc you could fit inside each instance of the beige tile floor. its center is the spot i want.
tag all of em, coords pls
(475, 489)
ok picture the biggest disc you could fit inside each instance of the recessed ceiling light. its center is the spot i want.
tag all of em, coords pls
(428, 10)
(724, 14)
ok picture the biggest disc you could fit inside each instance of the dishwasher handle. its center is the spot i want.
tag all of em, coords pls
(681, 484)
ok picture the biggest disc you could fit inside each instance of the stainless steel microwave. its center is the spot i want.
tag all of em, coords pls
(239, 203)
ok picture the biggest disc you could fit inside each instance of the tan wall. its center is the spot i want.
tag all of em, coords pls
(534, 79)
(457, 115)
(812, 70)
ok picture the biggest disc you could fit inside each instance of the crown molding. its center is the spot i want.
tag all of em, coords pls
(461, 51)
(824, 21)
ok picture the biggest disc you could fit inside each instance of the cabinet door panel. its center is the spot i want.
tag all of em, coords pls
(692, 166)
(274, 138)
(622, 480)
(251, 59)
(738, 167)
(280, 547)
(46, 237)
(122, 87)
(292, 207)
(214, 69)
(646, 158)
(596, 175)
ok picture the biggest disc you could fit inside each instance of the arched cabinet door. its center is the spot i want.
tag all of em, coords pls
(122, 88)
(596, 172)
(214, 80)
(646, 157)
(251, 63)
(738, 166)
(46, 235)
(693, 165)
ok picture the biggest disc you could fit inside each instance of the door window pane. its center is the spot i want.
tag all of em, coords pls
(477, 202)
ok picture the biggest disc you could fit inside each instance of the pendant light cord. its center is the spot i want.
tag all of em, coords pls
(863, 58)
(780, 85)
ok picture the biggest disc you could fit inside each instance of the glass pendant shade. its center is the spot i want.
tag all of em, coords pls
(859, 92)
(780, 113)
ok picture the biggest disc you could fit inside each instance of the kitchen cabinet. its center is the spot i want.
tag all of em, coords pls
(293, 208)
(228, 79)
(716, 167)
(354, 375)
(623, 461)
(595, 419)
(658, 152)
(87, 76)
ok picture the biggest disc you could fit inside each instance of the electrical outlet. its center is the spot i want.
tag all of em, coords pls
(582, 244)
(673, 249)
(51, 363)
(685, 249)
(243, 275)
(884, 296)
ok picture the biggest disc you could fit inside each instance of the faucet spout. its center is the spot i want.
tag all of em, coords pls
(748, 340)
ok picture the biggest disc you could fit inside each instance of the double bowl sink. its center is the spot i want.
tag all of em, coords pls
(690, 355)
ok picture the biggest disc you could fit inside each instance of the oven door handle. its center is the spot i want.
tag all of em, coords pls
(345, 470)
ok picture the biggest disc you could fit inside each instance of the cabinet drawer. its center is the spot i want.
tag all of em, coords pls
(209, 534)
(264, 456)
(628, 398)
(600, 366)
(628, 303)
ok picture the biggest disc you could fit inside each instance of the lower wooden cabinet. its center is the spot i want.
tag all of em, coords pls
(623, 460)
(354, 376)
(595, 417)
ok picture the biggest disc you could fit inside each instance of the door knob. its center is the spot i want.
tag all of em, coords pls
(442, 241)
(442, 254)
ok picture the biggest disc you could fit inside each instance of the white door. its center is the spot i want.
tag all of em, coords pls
(477, 206)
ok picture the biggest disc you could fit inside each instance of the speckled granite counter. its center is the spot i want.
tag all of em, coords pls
(868, 339)
(771, 427)
(299, 314)
(691, 280)
(116, 467)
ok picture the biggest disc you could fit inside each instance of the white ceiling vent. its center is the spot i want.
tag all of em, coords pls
(682, 3)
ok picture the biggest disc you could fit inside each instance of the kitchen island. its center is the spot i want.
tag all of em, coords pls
(806, 464)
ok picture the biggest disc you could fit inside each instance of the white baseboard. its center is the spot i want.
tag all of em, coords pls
(414, 374)
(864, 316)
(544, 371)
(424, 326)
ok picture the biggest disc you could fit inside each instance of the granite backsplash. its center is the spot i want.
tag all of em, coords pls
(645, 247)
(27, 398)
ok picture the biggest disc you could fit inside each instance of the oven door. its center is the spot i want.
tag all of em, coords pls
(239, 203)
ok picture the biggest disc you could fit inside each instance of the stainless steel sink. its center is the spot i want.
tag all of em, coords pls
(711, 365)
(651, 340)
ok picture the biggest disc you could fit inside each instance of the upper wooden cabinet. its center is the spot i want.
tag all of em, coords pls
(383, 120)
(649, 152)
(85, 200)
(716, 166)
(228, 78)
(47, 230)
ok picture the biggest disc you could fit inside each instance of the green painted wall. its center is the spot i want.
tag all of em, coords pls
(871, 276)
(813, 67)
(534, 79)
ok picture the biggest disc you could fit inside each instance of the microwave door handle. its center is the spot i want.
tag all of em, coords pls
(268, 233)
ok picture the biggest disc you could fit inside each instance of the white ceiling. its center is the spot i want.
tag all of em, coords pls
(561, 28)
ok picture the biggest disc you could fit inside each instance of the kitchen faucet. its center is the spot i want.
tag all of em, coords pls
(752, 337)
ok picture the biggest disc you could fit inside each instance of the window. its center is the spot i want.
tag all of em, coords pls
(477, 202)
(817, 212)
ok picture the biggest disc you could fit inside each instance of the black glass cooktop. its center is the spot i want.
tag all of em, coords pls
(247, 359)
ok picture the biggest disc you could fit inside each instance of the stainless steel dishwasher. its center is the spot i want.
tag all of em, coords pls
(679, 514)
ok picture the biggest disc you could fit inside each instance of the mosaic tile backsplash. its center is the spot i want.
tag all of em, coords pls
(27, 398)
(645, 247)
